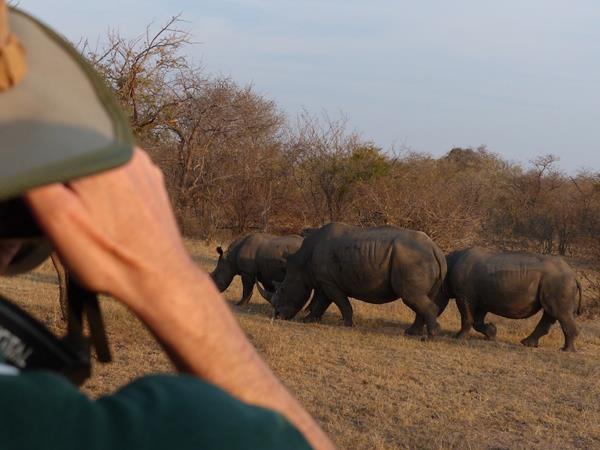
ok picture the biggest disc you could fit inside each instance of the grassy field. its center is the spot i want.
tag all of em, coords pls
(373, 388)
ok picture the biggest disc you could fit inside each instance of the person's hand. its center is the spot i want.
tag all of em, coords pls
(116, 230)
(117, 233)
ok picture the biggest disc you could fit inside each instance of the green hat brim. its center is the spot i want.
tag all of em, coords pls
(61, 122)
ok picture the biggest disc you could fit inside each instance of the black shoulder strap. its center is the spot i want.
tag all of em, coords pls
(84, 303)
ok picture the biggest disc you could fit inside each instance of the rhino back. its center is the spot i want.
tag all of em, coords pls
(303, 257)
(371, 264)
(510, 273)
(504, 283)
(248, 249)
(271, 257)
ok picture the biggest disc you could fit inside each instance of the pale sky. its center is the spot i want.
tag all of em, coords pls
(520, 76)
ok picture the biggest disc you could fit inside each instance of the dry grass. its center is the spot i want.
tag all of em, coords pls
(372, 388)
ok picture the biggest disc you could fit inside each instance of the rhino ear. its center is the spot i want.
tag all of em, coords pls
(220, 250)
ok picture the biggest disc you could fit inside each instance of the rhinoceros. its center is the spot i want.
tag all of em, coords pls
(514, 285)
(375, 265)
(255, 257)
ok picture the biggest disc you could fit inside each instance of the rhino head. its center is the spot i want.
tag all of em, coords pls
(224, 272)
(292, 293)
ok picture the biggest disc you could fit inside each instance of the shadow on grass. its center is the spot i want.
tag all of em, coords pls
(375, 326)
(332, 318)
(256, 307)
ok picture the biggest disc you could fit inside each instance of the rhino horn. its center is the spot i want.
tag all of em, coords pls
(267, 295)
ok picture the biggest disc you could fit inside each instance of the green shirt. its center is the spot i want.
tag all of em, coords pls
(42, 410)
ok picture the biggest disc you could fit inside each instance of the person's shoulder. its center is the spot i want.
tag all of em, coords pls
(35, 386)
(208, 416)
(152, 412)
(34, 409)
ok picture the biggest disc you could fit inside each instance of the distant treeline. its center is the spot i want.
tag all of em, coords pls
(235, 163)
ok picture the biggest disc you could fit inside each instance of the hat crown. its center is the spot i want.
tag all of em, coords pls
(4, 29)
(13, 65)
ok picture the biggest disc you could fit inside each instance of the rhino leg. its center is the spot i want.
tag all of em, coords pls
(569, 327)
(342, 303)
(466, 317)
(428, 310)
(317, 307)
(541, 329)
(557, 299)
(441, 299)
(416, 329)
(316, 313)
(248, 286)
(488, 329)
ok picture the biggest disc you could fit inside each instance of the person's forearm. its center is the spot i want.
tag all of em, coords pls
(190, 319)
(135, 253)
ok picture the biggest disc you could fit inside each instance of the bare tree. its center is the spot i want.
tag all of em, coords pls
(234, 163)
(323, 153)
(145, 72)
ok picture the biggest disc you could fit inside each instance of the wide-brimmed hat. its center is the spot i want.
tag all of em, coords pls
(58, 119)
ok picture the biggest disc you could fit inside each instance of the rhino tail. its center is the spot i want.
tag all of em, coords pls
(439, 291)
(441, 260)
(579, 310)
